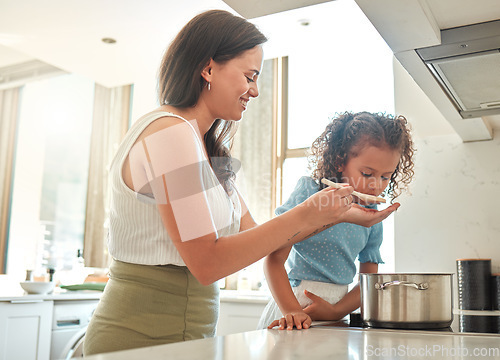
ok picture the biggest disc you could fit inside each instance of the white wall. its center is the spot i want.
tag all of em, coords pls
(144, 96)
(453, 209)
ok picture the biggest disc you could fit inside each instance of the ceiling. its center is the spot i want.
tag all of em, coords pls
(257, 8)
(67, 34)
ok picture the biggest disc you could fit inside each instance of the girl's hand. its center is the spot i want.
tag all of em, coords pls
(325, 207)
(320, 309)
(299, 319)
(367, 217)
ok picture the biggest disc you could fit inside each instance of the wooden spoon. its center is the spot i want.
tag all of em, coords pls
(365, 197)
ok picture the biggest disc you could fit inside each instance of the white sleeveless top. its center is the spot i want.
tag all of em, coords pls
(136, 231)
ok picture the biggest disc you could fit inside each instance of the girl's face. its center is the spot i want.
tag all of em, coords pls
(233, 83)
(370, 171)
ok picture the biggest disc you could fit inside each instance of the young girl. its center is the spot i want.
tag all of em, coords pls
(374, 154)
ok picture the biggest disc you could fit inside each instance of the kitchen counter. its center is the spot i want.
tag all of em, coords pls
(19, 295)
(11, 291)
(16, 292)
(56, 295)
(36, 326)
(323, 343)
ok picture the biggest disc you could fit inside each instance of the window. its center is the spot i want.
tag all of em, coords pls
(50, 174)
(353, 74)
(348, 69)
(357, 78)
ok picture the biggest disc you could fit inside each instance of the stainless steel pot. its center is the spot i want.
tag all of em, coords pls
(407, 301)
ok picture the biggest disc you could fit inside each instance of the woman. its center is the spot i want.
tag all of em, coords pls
(177, 223)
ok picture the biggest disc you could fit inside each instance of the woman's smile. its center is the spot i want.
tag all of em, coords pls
(244, 103)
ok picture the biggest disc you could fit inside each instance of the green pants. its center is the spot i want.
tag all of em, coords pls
(145, 305)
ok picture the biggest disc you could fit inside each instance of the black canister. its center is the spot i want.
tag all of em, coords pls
(479, 324)
(495, 291)
(474, 284)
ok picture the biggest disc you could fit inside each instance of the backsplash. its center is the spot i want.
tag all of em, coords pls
(453, 209)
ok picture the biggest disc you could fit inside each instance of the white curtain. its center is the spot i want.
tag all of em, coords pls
(253, 148)
(9, 111)
(109, 125)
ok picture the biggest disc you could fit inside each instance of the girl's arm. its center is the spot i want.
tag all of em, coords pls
(274, 269)
(322, 310)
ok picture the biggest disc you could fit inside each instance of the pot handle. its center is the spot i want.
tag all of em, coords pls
(421, 286)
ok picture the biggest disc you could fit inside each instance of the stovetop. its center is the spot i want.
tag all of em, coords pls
(462, 323)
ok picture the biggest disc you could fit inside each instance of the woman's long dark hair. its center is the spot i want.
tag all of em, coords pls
(217, 35)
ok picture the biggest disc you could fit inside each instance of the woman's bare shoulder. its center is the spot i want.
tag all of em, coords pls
(164, 121)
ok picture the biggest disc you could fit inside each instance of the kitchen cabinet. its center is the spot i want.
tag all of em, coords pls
(25, 329)
(239, 313)
(34, 326)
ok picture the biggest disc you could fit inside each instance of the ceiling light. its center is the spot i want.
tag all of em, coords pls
(108, 40)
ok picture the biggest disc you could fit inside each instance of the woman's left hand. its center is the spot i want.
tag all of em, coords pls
(320, 309)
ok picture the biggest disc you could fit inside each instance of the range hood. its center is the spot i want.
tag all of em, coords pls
(450, 49)
(467, 66)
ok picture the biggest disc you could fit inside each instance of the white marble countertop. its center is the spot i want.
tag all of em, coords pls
(19, 295)
(15, 292)
(323, 343)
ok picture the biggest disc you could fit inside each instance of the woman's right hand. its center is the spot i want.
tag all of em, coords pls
(367, 217)
(297, 319)
(325, 208)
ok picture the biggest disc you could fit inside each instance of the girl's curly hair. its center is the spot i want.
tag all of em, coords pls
(349, 132)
